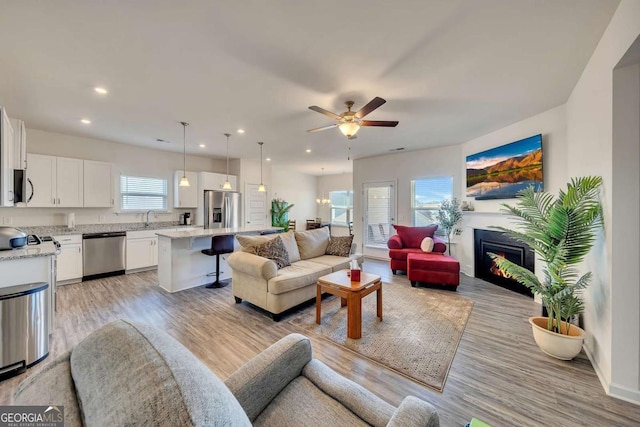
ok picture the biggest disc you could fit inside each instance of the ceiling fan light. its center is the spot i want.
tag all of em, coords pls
(184, 182)
(349, 129)
(226, 185)
(262, 188)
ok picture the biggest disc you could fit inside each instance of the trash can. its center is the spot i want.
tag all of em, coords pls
(24, 326)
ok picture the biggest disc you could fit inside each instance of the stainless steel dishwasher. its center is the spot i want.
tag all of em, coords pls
(103, 254)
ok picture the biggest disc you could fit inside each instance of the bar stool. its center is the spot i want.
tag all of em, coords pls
(219, 245)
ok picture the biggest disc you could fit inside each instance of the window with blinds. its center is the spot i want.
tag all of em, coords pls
(426, 196)
(142, 193)
(341, 207)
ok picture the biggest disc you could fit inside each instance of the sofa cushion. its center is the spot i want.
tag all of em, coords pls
(412, 236)
(133, 374)
(301, 403)
(337, 262)
(312, 243)
(289, 240)
(247, 241)
(53, 380)
(273, 249)
(339, 246)
(297, 275)
(401, 254)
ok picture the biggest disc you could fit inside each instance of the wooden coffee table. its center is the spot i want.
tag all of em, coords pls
(351, 294)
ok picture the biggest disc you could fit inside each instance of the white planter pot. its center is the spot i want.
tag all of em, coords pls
(560, 346)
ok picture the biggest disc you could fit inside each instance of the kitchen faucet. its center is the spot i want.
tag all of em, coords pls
(147, 224)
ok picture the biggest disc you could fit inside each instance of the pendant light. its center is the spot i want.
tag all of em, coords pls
(261, 187)
(227, 183)
(322, 200)
(184, 182)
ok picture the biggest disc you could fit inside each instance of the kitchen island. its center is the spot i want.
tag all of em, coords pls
(31, 264)
(181, 265)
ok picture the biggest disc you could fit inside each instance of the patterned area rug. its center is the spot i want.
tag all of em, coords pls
(418, 336)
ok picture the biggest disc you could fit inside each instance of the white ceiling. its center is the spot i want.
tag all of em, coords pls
(449, 70)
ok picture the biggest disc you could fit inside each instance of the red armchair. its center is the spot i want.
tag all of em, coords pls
(408, 241)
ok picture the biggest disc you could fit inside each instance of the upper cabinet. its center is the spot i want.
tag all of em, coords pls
(98, 184)
(215, 181)
(56, 181)
(19, 144)
(6, 159)
(185, 197)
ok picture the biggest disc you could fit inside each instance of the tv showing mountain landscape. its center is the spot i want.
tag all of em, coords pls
(501, 172)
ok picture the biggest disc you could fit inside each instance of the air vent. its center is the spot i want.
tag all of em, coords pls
(397, 149)
(163, 140)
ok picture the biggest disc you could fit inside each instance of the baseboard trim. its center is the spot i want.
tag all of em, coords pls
(626, 394)
(603, 380)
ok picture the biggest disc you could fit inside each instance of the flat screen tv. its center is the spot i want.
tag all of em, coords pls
(499, 173)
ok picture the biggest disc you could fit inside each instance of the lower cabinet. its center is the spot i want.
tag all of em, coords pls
(142, 252)
(69, 260)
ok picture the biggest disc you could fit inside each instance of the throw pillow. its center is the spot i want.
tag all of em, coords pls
(427, 244)
(273, 249)
(412, 236)
(248, 241)
(339, 246)
(312, 243)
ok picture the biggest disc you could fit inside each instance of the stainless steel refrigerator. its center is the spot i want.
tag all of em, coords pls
(222, 209)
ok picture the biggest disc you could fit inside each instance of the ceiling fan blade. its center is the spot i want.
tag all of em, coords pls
(372, 105)
(325, 112)
(322, 128)
(383, 123)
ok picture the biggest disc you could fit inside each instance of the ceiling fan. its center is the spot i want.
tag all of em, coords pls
(349, 122)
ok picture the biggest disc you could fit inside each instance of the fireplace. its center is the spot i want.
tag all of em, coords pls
(485, 241)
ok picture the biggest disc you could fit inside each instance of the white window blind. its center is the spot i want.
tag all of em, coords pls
(426, 195)
(379, 214)
(341, 207)
(143, 193)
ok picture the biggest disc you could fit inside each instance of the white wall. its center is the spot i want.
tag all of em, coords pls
(552, 125)
(298, 189)
(402, 168)
(590, 151)
(127, 159)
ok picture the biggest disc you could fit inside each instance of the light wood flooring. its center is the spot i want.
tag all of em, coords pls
(498, 374)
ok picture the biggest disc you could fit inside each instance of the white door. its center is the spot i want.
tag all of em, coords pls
(42, 175)
(69, 182)
(379, 209)
(255, 206)
(98, 184)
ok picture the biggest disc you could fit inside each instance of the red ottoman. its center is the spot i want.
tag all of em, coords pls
(434, 268)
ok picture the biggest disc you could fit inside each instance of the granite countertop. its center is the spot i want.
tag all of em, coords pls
(61, 230)
(43, 249)
(201, 232)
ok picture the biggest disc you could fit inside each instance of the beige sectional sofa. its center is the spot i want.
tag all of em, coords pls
(259, 281)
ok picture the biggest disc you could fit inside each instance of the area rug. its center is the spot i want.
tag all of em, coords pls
(417, 338)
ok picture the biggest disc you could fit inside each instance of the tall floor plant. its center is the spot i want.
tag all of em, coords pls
(561, 231)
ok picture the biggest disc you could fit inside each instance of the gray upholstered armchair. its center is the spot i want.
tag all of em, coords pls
(284, 385)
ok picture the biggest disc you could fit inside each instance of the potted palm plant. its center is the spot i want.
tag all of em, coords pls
(449, 214)
(561, 231)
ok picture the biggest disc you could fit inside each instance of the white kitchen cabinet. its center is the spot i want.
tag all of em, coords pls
(185, 197)
(142, 249)
(6, 160)
(42, 173)
(69, 260)
(19, 144)
(57, 181)
(98, 184)
(215, 181)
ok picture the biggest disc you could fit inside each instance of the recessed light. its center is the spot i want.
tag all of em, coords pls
(101, 90)
(268, 159)
(240, 130)
(308, 150)
(86, 121)
(202, 146)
